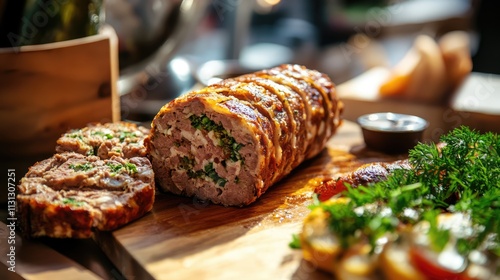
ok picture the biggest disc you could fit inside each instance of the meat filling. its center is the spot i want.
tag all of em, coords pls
(71, 195)
(201, 152)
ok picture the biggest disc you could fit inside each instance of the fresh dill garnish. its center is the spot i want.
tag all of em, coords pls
(468, 161)
(460, 176)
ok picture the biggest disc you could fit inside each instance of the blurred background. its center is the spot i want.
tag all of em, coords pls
(221, 38)
(167, 47)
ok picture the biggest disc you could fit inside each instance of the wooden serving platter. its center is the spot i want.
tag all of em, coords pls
(182, 238)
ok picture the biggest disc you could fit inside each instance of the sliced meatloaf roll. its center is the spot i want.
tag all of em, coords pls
(105, 140)
(70, 195)
(229, 142)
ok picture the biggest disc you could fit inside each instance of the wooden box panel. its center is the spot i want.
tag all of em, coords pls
(47, 89)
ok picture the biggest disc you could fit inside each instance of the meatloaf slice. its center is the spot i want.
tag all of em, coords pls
(213, 147)
(70, 195)
(106, 140)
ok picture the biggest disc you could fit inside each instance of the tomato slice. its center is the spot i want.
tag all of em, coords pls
(432, 270)
(329, 188)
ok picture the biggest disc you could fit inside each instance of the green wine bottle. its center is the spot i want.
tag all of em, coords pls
(47, 21)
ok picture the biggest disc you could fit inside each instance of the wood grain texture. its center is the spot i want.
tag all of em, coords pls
(34, 260)
(48, 89)
(183, 238)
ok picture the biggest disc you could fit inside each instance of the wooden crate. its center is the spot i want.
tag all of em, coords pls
(47, 89)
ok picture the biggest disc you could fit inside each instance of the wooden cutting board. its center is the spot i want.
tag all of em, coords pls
(182, 238)
(28, 259)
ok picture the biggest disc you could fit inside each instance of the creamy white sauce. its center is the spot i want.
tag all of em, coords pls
(459, 225)
(451, 259)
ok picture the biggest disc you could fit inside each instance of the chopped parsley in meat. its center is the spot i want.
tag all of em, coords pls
(102, 134)
(226, 141)
(75, 134)
(212, 174)
(129, 167)
(72, 201)
(127, 134)
(207, 172)
(122, 135)
(81, 167)
(187, 163)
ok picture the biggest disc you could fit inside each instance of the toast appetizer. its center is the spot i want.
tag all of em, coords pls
(434, 216)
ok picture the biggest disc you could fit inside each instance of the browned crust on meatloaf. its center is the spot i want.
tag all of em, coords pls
(373, 172)
(71, 195)
(258, 97)
(332, 106)
(122, 139)
(288, 112)
(295, 144)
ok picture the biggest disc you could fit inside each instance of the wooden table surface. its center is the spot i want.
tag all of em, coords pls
(182, 238)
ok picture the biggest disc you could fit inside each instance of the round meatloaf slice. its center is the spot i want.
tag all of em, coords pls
(229, 142)
(106, 140)
(71, 195)
(213, 147)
